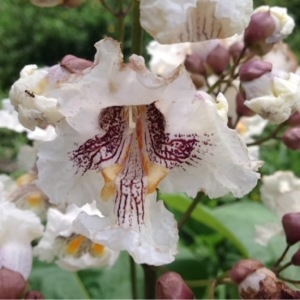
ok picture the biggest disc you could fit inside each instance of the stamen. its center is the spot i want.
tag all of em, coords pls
(74, 245)
(97, 249)
(35, 199)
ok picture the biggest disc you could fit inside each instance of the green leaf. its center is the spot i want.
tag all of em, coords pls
(202, 214)
(55, 283)
(240, 219)
(105, 283)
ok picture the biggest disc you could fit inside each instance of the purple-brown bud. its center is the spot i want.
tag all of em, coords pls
(171, 286)
(72, 3)
(12, 284)
(294, 119)
(75, 64)
(291, 138)
(291, 226)
(254, 69)
(194, 64)
(261, 27)
(218, 59)
(32, 295)
(296, 259)
(241, 108)
(243, 268)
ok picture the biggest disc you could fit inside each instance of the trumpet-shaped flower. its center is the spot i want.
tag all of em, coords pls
(273, 94)
(17, 229)
(70, 250)
(194, 20)
(280, 192)
(127, 132)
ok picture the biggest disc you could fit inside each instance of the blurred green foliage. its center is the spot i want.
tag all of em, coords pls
(42, 36)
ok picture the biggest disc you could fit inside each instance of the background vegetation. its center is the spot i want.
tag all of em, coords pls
(210, 242)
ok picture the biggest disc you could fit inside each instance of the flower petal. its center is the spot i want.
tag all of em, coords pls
(154, 242)
(194, 20)
(219, 162)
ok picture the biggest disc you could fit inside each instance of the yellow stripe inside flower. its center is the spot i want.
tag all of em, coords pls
(97, 249)
(35, 199)
(74, 245)
(25, 179)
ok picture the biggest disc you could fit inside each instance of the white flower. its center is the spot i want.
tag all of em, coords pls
(280, 192)
(273, 95)
(29, 95)
(175, 21)
(70, 250)
(27, 196)
(248, 127)
(284, 24)
(166, 58)
(9, 119)
(17, 229)
(139, 132)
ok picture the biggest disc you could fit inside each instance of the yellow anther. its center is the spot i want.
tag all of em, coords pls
(35, 199)
(74, 245)
(97, 249)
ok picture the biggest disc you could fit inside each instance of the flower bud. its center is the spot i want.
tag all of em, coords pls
(241, 108)
(291, 138)
(75, 64)
(243, 268)
(291, 226)
(261, 27)
(34, 295)
(236, 49)
(255, 281)
(254, 69)
(296, 259)
(171, 286)
(194, 63)
(218, 59)
(51, 3)
(294, 119)
(12, 284)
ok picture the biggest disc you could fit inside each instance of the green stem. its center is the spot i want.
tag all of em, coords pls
(121, 23)
(278, 270)
(280, 259)
(150, 278)
(82, 287)
(272, 135)
(137, 31)
(133, 278)
(190, 210)
(289, 280)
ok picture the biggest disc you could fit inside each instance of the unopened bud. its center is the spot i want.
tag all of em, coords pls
(218, 59)
(254, 69)
(32, 295)
(171, 286)
(261, 27)
(72, 3)
(294, 119)
(51, 3)
(236, 49)
(194, 63)
(12, 284)
(291, 138)
(243, 268)
(241, 108)
(291, 226)
(296, 259)
(75, 64)
(254, 280)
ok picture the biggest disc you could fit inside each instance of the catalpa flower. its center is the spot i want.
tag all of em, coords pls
(194, 20)
(70, 250)
(127, 132)
(280, 192)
